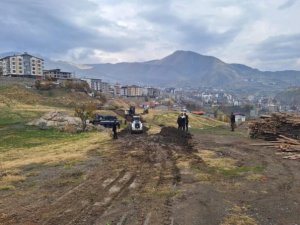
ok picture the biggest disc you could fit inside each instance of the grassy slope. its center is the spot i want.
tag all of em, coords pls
(22, 146)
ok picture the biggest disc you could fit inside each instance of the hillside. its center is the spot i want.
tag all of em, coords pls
(289, 97)
(186, 68)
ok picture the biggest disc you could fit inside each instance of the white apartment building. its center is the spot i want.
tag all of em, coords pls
(94, 84)
(23, 65)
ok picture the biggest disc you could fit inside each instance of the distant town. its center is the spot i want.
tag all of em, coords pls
(209, 101)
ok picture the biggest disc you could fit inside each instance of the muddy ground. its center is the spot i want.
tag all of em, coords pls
(168, 178)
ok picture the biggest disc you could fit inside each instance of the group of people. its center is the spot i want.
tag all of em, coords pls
(183, 122)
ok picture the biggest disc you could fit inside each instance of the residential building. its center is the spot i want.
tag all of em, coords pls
(134, 91)
(22, 65)
(104, 87)
(57, 73)
(153, 92)
(94, 84)
(117, 89)
(124, 90)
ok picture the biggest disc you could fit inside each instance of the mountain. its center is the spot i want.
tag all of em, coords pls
(290, 96)
(186, 69)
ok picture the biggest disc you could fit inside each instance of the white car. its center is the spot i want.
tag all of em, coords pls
(136, 125)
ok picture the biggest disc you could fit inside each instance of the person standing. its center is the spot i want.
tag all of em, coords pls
(114, 130)
(186, 122)
(232, 121)
(179, 122)
(183, 121)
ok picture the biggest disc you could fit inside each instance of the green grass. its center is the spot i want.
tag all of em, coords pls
(27, 137)
(9, 117)
(7, 188)
(219, 130)
(235, 172)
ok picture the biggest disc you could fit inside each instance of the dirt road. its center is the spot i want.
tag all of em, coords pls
(170, 178)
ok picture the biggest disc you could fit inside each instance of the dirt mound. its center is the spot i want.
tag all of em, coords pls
(173, 135)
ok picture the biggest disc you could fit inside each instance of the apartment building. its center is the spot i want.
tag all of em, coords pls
(134, 91)
(153, 92)
(57, 74)
(117, 89)
(23, 65)
(123, 91)
(94, 84)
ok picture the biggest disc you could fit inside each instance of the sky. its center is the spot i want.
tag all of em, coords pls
(264, 34)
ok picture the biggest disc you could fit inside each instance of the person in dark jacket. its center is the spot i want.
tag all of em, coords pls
(232, 121)
(179, 122)
(186, 122)
(114, 130)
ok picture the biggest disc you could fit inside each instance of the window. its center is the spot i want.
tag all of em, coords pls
(33, 72)
(13, 63)
(14, 71)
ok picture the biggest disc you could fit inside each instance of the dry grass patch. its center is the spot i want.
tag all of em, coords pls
(255, 177)
(153, 129)
(212, 160)
(237, 216)
(54, 152)
(7, 182)
(170, 119)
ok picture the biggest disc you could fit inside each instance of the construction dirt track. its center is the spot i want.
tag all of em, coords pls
(162, 179)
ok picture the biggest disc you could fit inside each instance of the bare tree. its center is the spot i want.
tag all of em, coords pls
(84, 112)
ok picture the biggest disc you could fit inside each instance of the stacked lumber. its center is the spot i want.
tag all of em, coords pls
(288, 148)
(270, 128)
(282, 130)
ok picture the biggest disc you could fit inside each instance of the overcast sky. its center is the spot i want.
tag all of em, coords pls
(260, 33)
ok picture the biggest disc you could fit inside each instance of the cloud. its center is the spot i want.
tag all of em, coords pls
(287, 4)
(279, 47)
(279, 51)
(93, 31)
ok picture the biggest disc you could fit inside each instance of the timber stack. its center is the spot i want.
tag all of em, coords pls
(270, 128)
(282, 130)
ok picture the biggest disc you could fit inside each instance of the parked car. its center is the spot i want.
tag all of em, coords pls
(136, 125)
(106, 121)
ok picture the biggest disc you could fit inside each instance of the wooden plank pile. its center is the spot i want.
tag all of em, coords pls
(269, 128)
(282, 130)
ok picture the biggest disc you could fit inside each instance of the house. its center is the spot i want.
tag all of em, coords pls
(198, 112)
(105, 87)
(57, 73)
(22, 65)
(239, 118)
